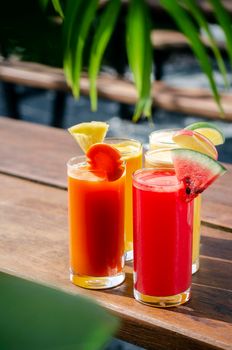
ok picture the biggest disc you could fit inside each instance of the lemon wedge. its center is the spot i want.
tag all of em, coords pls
(213, 133)
(87, 134)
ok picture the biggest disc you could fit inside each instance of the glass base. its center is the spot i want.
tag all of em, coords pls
(129, 255)
(92, 282)
(168, 301)
(195, 266)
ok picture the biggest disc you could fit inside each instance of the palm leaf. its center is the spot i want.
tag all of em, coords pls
(200, 19)
(57, 7)
(35, 316)
(100, 41)
(225, 21)
(140, 55)
(71, 12)
(187, 27)
(78, 38)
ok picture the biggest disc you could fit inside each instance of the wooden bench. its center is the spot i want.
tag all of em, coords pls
(34, 244)
(196, 101)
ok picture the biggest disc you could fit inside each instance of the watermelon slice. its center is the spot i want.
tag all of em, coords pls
(107, 159)
(196, 170)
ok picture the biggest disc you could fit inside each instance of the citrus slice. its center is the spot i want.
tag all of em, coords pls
(192, 140)
(107, 159)
(196, 170)
(87, 134)
(214, 134)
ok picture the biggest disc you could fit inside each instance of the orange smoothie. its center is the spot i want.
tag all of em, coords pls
(161, 141)
(96, 221)
(131, 153)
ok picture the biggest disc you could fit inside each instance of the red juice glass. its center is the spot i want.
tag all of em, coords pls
(162, 238)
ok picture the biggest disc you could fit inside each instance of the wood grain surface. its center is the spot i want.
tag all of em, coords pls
(197, 101)
(40, 153)
(34, 245)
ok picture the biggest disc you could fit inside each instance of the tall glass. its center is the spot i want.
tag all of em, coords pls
(131, 153)
(162, 239)
(96, 222)
(161, 140)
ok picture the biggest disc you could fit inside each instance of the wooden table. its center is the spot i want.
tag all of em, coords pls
(34, 244)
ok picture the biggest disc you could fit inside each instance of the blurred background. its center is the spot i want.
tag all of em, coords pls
(33, 87)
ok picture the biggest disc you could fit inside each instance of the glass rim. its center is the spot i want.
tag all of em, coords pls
(157, 132)
(146, 170)
(150, 152)
(69, 162)
(139, 143)
(74, 164)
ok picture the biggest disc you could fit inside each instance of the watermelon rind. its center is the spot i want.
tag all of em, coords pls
(196, 170)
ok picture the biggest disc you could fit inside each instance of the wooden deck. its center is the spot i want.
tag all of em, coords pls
(196, 101)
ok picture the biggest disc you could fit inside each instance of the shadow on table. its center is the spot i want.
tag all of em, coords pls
(209, 299)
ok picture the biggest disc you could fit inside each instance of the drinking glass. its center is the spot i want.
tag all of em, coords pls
(162, 238)
(131, 153)
(161, 140)
(96, 222)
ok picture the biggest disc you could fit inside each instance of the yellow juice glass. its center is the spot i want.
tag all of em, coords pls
(131, 153)
(160, 142)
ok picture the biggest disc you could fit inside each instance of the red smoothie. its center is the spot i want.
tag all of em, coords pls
(162, 234)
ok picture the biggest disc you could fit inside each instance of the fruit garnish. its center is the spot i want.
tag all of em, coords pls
(105, 158)
(192, 140)
(195, 170)
(213, 133)
(87, 134)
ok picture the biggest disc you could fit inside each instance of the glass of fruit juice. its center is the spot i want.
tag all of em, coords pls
(160, 142)
(131, 153)
(162, 238)
(96, 221)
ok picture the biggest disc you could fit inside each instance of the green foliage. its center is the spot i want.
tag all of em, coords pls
(188, 28)
(138, 44)
(38, 317)
(140, 54)
(87, 28)
(224, 20)
(58, 8)
(197, 14)
(100, 41)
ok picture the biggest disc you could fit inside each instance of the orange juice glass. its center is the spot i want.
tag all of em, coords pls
(96, 222)
(131, 153)
(160, 142)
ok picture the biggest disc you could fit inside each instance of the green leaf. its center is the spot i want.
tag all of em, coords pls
(139, 54)
(38, 317)
(71, 13)
(224, 20)
(57, 7)
(197, 14)
(100, 41)
(187, 27)
(78, 38)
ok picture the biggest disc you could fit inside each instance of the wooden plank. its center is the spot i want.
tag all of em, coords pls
(34, 245)
(194, 101)
(163, 39)
(35, 152)
(217, 202)
(40, 153)
(191, 101)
